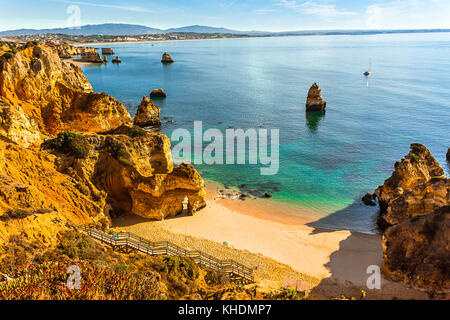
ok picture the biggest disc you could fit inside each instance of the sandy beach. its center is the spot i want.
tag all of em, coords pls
(332, 261)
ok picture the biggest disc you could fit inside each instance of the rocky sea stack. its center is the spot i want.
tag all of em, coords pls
(71, 156)
(417, 187)
(314, 102)
(93, 57)
(158, 93)
(448, 155)
(147, 114)
(107, 51)
(166, 58)
(415, 214)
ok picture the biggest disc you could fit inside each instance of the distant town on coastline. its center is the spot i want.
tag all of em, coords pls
(112, 32)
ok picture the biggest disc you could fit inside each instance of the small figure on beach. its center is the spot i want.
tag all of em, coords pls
(314, 102)
(166, 58)
(185, 204)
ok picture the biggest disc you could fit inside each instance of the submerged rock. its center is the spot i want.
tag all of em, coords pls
(368, 200)
(158, 93)
(166, 58)
(416, 252)
(116, 60)
(314, 102)
(147, 114)
(417, 187)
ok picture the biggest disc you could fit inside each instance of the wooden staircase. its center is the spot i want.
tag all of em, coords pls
(128, 242)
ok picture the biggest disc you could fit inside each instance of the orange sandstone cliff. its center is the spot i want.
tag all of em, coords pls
(51, 178)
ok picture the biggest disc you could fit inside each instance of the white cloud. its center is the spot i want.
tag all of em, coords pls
(113, 6)
(409, 14)
(314, 8)
(263, 11)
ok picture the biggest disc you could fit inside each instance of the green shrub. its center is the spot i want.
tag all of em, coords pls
(8, 55)
(71, 143)
(181, 268)
(136, 132)
(415, 158)
(121, 155)
(33, 43)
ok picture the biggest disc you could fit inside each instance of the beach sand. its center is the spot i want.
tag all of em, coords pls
(333, 261)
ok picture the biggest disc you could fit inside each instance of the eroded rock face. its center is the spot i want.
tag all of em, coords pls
(314, 102)
(37, 201)
(67, 51)
(94, 57)
(56, 93)
(137, 173)
(417, 187)
(147, 114)
(417, 251)
(17, 126)
(166, 58)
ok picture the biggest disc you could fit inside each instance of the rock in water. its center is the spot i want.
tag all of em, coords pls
(368, 200)
(107, 51)
(158, 93)
(116, 60)
(147, 114)
(416, 252)
(314, 102)
(92, 57)
(448, 155)
(166, 58)
(417, 187)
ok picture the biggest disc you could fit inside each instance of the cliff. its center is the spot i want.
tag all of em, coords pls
(417, 253)
(417, 187)
(71, 156)
(56, 93)
(415, 213)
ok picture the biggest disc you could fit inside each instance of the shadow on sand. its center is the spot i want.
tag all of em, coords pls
(349, 264)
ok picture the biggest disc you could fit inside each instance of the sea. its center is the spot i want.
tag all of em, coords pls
(327, 160)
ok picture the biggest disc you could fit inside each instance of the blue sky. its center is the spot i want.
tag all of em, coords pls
(266, 15)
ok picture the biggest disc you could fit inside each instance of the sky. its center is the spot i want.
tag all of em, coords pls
(244, 15)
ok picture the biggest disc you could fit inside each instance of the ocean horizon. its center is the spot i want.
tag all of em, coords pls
(327, 160)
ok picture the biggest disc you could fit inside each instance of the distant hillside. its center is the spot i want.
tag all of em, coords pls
(114, 29)
(201, 29)
(118, 29)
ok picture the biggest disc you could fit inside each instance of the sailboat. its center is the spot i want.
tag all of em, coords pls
(369, 71)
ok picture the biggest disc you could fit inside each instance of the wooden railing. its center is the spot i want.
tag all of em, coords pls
(129, 241)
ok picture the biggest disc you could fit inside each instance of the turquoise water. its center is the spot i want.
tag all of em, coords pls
(326, 161)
